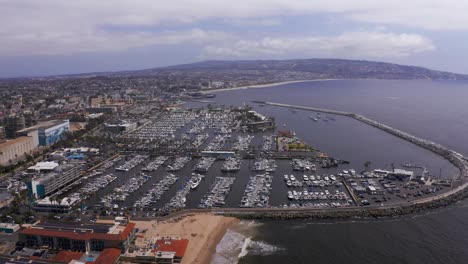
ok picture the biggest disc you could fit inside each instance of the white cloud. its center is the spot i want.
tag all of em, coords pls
(244, 22)
(349, 45)
(64, 43)
(65, 27)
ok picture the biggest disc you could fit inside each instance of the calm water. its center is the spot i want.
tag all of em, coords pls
(434, 110)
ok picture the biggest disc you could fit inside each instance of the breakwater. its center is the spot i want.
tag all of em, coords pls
(458, 192)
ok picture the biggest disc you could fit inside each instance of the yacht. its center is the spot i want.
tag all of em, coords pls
(195, 181)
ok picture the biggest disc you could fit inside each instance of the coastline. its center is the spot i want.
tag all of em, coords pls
(203, 230)
(256, 86)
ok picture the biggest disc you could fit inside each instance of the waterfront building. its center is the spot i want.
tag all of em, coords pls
(78, 236)
(399, 174)
(60, 177)
(165, 250)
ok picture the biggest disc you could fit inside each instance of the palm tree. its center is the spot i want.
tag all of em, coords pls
(367, 164)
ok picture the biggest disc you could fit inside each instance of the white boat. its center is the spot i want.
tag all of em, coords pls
(194, 182)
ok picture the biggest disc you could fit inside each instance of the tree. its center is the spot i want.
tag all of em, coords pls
(367, 164)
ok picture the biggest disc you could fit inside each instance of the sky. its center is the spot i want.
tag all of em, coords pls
(49, 37)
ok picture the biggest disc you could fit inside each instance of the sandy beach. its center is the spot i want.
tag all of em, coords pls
(264, 85)
(204, 231)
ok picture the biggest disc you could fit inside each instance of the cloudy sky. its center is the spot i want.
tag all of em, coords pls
(43, 37)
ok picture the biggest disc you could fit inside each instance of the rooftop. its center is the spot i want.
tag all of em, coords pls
(46, 165)
(80, 231)
(13, 141)
(45, 124)
(168, 245)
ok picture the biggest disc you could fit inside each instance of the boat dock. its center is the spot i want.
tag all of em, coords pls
(454, 157)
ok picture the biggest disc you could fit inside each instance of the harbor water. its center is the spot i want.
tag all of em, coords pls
(435, 110)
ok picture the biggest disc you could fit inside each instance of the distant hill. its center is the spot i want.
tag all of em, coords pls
(266, 71)
(332, 68)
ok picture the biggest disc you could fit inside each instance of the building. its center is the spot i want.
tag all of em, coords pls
(8, 228)
(51, 133)
(2, 135)
(164, 251)
(47, 205)
(107, 256)
(170, 250)
(8, 232)
(13, 123)
(104, 110)
(263, 125)
(14, 150)
(41, 167)
(46, 133)
(32, 132)
(51, 182)
(399, 174)
(78, 236)
(123, 126)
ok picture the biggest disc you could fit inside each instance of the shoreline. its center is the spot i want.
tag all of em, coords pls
(204, 231)
(257, 86)
(206, 256)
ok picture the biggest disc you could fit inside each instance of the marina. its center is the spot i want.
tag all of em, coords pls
(178, 164)
(155, 193)
(155, 164)
(204, 164)
(187, 175)
(218, 192)
(179, 200)
(132, 163)
(257, 191)
(231, 164)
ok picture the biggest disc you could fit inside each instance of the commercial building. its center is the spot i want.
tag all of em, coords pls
(14, 150)
(51, 182)
(78, 236)
(52, 133)
(46, 133)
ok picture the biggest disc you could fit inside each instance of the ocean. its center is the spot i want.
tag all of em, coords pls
(435, 110)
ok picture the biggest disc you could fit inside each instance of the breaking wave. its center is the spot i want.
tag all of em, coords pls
(239, 242)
